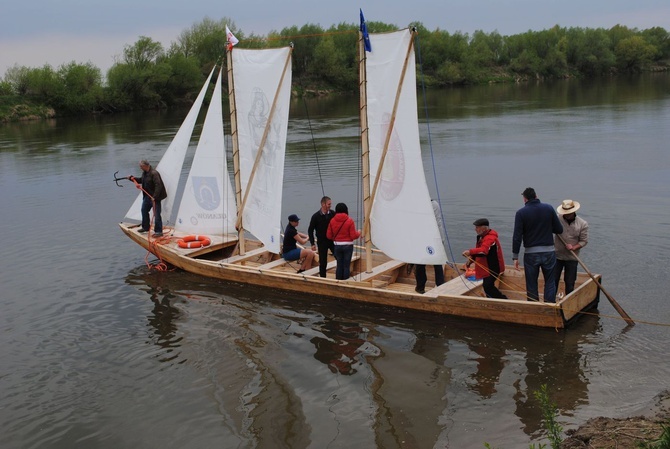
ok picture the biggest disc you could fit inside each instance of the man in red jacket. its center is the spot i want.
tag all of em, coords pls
(488, 258)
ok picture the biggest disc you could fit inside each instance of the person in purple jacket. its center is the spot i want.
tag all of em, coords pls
(535, 225)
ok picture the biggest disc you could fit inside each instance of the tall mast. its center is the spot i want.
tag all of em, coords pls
(236, 147)
(365, 149)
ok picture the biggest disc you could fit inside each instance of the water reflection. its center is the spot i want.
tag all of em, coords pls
(342, 346)
(381, 377)
(164, 316)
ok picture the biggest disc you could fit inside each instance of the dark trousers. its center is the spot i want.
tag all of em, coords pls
(421, 278)
(323, 255)
(343, 255)
(489, 283)
(147, 204)
(570, 276)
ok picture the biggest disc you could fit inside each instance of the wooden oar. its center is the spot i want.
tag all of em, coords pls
(616, 305)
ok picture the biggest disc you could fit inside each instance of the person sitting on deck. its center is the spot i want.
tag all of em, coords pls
(290, 250)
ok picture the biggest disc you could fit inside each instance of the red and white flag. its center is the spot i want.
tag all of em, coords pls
(232, 40)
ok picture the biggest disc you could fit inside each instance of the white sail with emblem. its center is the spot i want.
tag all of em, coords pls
(402, 221)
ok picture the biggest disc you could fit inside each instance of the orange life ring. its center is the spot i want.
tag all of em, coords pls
(194, 241)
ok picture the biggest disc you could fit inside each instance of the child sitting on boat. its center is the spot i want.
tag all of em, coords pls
(291, 239)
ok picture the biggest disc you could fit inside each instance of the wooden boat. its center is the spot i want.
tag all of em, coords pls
(396, 197)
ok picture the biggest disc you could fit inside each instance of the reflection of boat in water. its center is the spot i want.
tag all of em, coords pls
(266, 359)
(395, 197)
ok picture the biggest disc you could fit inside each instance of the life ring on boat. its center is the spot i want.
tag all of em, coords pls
(194, 241)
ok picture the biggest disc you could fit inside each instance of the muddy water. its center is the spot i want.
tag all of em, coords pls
(98, 351)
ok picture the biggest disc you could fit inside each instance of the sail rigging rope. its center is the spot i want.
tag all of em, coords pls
(311, 133)
(430, 145)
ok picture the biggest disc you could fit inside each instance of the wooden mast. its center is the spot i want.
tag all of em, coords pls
(365, 148)
(236, 148)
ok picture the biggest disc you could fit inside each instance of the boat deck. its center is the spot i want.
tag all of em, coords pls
(390, 282)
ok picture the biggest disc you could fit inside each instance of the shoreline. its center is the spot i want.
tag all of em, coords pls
(623, 433)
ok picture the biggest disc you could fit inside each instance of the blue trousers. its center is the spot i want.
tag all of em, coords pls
(343, 255)
(532, 264)
(147, 204)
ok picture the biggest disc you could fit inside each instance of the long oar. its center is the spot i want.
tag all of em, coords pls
(616, 305)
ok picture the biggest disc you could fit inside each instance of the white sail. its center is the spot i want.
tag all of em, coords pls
(262, 80)
(402, 221)
(170, 165)
(208, 203)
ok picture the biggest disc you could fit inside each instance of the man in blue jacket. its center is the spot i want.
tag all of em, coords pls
(534, 226)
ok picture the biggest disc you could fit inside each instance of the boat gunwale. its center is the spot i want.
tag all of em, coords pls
(512, 311)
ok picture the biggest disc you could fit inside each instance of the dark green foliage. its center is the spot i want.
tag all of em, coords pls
(148, 76)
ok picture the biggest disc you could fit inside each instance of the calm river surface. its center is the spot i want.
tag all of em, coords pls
(98, 351)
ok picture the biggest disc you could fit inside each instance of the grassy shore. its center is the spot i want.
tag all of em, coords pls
(13, 109)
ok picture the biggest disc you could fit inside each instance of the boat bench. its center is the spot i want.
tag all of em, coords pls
(275, 263)
(332, 264)
(246, 256)
(456, 287)
(379, 270)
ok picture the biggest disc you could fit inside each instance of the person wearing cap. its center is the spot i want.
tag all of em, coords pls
(342, 231)
(319, 225)
(290, 250)
(488, 258)
(576, 236)
(534, 225)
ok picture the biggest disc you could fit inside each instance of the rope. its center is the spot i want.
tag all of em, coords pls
(430, 146)
(311, 132)
(301, 36)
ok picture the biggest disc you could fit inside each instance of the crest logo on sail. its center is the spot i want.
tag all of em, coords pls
(206, 192)
(393, 172)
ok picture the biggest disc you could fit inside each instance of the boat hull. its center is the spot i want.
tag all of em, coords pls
(389, 285)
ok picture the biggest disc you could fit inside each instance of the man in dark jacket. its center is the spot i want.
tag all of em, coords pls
(319, 225)
(534, 226)
(153, 192)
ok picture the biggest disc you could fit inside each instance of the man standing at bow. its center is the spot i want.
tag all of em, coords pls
(576, 236)
(153, 192)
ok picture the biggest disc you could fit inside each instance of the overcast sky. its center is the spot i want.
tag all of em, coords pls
(37, 32)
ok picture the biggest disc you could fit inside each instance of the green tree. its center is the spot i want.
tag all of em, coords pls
(142, 53)
(660, 39)
(82, 91)
(17, 77)
(44, 84)
(329, 62)
(206, 41)
(634, 53)
(178, 78)
(134, 84)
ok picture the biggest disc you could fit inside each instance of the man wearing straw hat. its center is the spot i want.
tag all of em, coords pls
(576, 236)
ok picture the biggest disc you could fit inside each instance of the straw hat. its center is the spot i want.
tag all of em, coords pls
(567, 207)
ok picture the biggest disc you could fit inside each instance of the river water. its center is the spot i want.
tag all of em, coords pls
(98, 351)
